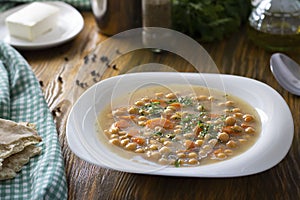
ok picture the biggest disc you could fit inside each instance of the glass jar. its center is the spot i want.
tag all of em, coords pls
(156, 13)
(115, 16)
(275, 24)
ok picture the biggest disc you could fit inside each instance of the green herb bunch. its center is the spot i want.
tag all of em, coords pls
(209, 20)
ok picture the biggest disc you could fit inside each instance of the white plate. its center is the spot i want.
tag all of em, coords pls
(69, 24)
(271, 147)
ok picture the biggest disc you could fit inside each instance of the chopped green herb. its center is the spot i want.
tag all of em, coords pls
(177, 163)
(186, 101)
(170, 136)
(158, 133)
(172, 101)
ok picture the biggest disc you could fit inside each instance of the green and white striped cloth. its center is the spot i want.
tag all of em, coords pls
(21, 99)
(79, 4)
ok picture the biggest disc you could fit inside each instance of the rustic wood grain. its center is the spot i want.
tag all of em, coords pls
(57, 70)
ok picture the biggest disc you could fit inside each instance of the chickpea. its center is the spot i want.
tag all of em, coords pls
(165, 150)
(201, 98)
(201, 108)
(218, 121)
(248, 118)
(168, 143)
(139, 150)
(159, 94)
(188, 135)
(125, 142)
(178, 127)
(131, 146)
(202, 153)
(142, 118)
(168, 111)
(145, 99)
(115, 141)
(206, 147)
(147, 133)
(118, 112)
(173, 108)
(228, 151)
(212, 142)
(237, 128)
(123, 137)
(236, 110)
(221, 104)
(247, 137)
(211, 98)
(193, 161)
(242, 141)
(171, 96)
(175, 117)
(177, 131)
(114, 136)
(153, 142)
(139, 103)
(218, 151)
(141, 123)
(192, 155)
(159, 129)
(238, 115)
(153, 147)
(178, 138)
(181, 155)
(198, 143)
(207, 136)
(227, 110)
(230, 121)
(123, 133)
(223, 136)
(229, 103)
(114, 130)
(163, 139)
(154, 155)
(231, 144)
(250, 130)
(221, 156)
(189, 144)
(106, 132)
(143, 112)
(164, 161)
(133, 110)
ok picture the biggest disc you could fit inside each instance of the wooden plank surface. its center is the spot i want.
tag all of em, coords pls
(57, 70)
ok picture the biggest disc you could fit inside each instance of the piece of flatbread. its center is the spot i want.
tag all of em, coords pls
(15, 162)
(14, 137)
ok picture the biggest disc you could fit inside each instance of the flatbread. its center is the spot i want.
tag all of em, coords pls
(14, 137)
(14, 163)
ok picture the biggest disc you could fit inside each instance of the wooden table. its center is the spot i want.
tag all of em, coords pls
(57, 70)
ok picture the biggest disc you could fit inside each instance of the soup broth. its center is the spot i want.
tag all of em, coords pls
(180, 126)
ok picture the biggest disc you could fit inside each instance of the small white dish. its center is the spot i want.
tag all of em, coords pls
(69, 25)
(271, 147)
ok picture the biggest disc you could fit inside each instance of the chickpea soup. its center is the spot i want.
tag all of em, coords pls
(180, 126)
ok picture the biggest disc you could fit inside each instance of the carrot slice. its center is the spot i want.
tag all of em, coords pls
(162, 122)
(138, 140)
(161, 102)
(176, 105)
(127, 117)
(122, 123)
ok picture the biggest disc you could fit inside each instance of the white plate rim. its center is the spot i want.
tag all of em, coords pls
(69, 30)
(259, 162)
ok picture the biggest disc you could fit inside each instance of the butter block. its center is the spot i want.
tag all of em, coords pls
(32, 21)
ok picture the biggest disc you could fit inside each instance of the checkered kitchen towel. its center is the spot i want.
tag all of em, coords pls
(79, 4)
(21, 99)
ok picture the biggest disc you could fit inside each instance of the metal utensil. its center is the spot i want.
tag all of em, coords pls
(286, 71)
